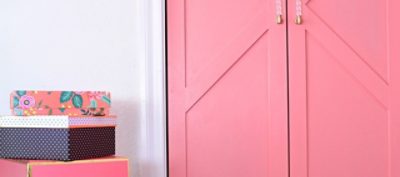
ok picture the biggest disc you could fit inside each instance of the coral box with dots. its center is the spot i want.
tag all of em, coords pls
(103, 167)
(71, 103)
(64, 144)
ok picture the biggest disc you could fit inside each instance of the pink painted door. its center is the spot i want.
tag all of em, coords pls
(344, 88)
(226, 89)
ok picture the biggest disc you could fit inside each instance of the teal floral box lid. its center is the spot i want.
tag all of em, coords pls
(72, 103)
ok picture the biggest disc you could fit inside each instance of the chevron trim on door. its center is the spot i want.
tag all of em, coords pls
(340, 104)
(227, 89)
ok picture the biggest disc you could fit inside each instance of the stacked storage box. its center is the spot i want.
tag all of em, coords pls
(102, 167)
(59, 125)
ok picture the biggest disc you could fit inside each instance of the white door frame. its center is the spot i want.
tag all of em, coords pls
(154, 133)
(153, 157)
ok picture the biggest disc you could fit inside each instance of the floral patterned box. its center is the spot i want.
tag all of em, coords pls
(71, 103)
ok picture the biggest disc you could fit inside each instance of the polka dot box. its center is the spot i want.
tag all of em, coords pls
(63, 144)
(56, 121)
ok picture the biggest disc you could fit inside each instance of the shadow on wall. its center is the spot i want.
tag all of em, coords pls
(128, 131)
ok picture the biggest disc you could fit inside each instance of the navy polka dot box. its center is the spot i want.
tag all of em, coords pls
(40, 136)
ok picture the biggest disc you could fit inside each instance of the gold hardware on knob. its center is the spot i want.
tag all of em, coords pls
(299, 20)
(279, 19)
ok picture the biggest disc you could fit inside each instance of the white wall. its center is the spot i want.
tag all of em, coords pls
(89, 45)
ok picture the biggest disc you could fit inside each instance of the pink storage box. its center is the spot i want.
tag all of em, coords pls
(105, 167)
(71, 103)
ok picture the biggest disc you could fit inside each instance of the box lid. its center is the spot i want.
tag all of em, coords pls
(28, 102)
(56, 121)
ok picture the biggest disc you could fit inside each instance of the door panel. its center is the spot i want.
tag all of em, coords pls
(227, 89)
(342, 101)
(363, 29)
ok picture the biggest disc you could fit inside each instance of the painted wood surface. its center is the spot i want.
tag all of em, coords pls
(344, 93)
(227, 89)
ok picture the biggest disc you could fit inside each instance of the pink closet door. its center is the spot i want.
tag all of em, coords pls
(344, 89)
(227, 89)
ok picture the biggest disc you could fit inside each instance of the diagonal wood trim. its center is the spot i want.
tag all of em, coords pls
(348, 58)
(206, 79)
(203, 93)
(321, 21)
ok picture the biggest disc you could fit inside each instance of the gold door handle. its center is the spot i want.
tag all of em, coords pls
(299, 12)
(299, 20)
(278, 11)
(279, 19)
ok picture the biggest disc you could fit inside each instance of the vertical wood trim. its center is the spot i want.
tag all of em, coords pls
(298, 102)
(298, 95)
(176, 87)
(394, 82)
